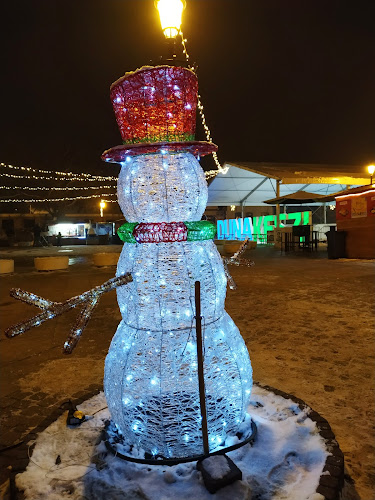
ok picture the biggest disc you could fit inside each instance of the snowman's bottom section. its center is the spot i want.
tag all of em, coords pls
(286, 461)
(116, 443)
(151, 386)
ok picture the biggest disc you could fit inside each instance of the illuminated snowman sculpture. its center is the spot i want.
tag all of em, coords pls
(151, 381)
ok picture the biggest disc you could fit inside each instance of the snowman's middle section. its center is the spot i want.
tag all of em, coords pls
(151, 380)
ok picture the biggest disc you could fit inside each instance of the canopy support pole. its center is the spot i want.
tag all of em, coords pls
(277, 205)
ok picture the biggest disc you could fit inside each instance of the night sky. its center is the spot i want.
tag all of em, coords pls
(281, 81)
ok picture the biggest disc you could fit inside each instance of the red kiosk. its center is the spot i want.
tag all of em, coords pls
(355, 214)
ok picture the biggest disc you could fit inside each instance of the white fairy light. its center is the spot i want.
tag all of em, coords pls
(56, 188)
(61, 178)
(42, 200)
(82, 176)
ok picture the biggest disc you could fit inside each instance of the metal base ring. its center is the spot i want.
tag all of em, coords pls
(160, 460)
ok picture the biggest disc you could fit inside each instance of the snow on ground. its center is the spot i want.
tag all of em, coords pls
(285, 461)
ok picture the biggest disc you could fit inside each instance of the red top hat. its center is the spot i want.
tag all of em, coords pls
(155, 110)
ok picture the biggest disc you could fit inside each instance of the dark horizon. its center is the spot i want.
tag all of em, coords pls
(280, 81)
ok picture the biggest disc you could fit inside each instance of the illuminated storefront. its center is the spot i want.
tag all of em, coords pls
(81, 230)
(68, 230)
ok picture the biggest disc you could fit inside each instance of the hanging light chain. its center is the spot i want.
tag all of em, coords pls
(220, 169)
(68, 178)
(62, 175)
(43, 200)
(55, 188)
(184, 49)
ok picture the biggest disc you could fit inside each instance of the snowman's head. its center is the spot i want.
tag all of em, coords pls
(162, 187)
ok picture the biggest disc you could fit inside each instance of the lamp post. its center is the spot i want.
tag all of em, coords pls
(102, 205)
(170, 13)
(371, 170)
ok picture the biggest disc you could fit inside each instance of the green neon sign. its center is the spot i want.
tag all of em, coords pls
(256, 228)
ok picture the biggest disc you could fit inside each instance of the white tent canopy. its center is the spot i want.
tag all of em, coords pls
(250, 184)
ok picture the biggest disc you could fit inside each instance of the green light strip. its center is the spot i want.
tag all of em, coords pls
(200, 230)
(196, 231)
(125, 232)
(165, 137)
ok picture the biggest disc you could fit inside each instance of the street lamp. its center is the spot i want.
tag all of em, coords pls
(371, 170)
(102, 205)
(170, 13)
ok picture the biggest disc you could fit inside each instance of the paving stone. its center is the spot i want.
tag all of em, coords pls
(333, 470)
(330, 481)
(25, 403)
(32, 422)
(7, 402)
(326, 434)
(16, 420)
(31, 436)
(316, 417)
(47, 402)
(38, 396)
(20, 464)
(9, 438)
(324, 425)
(335, 460)
(329, 388)
(80, 394)
(17, 395)
(328, 493)
(31, 410)
(94, 388)
(19, 453)
(337, 452)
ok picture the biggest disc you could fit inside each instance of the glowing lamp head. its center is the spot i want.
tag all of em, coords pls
(371, 169)
(170, 12)
(102, 206)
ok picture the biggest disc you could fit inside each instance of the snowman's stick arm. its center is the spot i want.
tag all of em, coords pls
(236, 260)
(231, 282)
(31, 298)
(85, 314)
(57, 308)
(241, 249)
(35, 300)
(108, 286)
(80, 324)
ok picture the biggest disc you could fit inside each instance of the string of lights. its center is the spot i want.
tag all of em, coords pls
(70, 176)
(67, 178)
(56, 188)
(220, 169)
(62, 175)
(43, 200)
